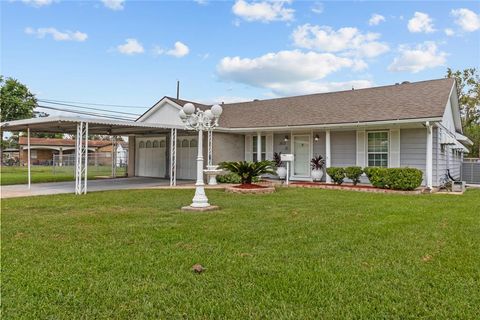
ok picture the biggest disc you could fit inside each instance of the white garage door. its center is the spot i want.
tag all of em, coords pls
(150, 157)
(187, 148)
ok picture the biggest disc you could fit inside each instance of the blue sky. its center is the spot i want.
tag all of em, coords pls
(132, 52)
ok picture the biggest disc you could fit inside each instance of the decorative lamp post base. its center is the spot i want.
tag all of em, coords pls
(200, 209)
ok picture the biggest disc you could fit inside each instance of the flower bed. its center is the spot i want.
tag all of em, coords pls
(363, 188)
(250, 189)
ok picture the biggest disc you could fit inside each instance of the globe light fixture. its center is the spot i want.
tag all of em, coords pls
(199, 120)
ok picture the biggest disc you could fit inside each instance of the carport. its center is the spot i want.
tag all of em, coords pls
(81, 127)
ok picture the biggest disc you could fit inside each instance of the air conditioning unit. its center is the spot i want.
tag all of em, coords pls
(458, 186)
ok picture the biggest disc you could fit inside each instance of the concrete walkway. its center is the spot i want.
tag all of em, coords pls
(38, 189)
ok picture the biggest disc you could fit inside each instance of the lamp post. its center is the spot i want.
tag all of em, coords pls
(199, 120)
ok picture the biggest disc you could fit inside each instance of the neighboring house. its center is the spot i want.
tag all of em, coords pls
(403, 125)
(42, 150)
(122, 152)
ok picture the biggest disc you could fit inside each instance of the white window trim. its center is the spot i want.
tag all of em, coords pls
(367, 153)
(254, 146)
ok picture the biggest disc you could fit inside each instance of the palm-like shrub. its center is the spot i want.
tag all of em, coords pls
(277, 159)
(247, 170)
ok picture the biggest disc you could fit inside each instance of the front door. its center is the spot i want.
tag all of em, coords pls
(301, 152)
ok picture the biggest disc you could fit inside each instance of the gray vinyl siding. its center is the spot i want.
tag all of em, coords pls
(279, 144)
(343, 145)
(413, 149)
(444, 158)
(226, 147)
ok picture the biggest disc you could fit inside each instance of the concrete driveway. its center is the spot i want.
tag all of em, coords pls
(38, 189)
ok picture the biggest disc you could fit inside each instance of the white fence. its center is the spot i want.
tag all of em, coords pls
(99, 164)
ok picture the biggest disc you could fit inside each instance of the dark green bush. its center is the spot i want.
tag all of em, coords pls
(403, 178)
(394, 178)
(233, 178)
(337, 174)
(353, 173)
(377, 176)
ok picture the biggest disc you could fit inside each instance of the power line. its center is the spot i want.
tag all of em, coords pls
(92, 104)
(85, 113)
(89, 108)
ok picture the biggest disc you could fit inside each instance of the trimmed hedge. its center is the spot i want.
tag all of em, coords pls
(337, 174)
(394, 178)
(353, 173)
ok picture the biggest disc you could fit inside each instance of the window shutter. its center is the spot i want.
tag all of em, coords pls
(248, 148)
(269, 146)
(394, 148)
(361, 148)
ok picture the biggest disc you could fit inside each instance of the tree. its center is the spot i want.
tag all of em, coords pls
(468, 91)
(16, 102)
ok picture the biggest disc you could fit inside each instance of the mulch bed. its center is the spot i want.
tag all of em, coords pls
(249, 186)
(363, 188)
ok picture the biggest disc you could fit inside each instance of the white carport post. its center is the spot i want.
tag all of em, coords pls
(28, 159)
(81, 158)
(114, 157)
(173, 157)
(328, 158)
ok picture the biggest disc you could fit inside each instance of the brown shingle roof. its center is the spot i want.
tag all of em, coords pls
(423, 99)
(60, 142)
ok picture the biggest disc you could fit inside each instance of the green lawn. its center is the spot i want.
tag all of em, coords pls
(295, 254)
(19, 175)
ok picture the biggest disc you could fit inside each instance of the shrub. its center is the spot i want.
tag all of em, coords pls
(247, 171)
(376, 176)
(394, 178)
(277, 159)
(337, 174)
(353, 173)
(403, 178)
(232, 178)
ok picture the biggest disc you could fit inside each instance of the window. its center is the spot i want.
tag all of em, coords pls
(33, 154)
(162, 144)
(141, 145)
(264, 148)
(378, 149)
(155, 143)
(149, 144)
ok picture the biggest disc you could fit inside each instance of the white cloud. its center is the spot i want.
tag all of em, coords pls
(317, 8)
(115, 5)
(131, 47)
(467, 19)
(449, 32)
(179, 50)
(38, 3)
(57, 35)
(376, 19)
(350, 40)
(423, 56)
(285, 69)
(264, 11)
(201, 2)
(420, 22)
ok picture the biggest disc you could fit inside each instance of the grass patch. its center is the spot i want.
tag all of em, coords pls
(19, 175)
(295, 254)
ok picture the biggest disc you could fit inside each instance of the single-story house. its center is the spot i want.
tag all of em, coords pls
(42, 150)
(402, 125)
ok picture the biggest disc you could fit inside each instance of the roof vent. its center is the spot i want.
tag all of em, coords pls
(396, 83)
(256, 100)
(405, 82)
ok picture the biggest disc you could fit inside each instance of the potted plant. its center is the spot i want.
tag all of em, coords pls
(280, 169)
(317, 164)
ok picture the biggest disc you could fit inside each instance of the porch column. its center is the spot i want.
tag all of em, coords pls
(28, 158)
(328, 162)
(259, 146)
(429, 162)
(60, 157)
(173, 157)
